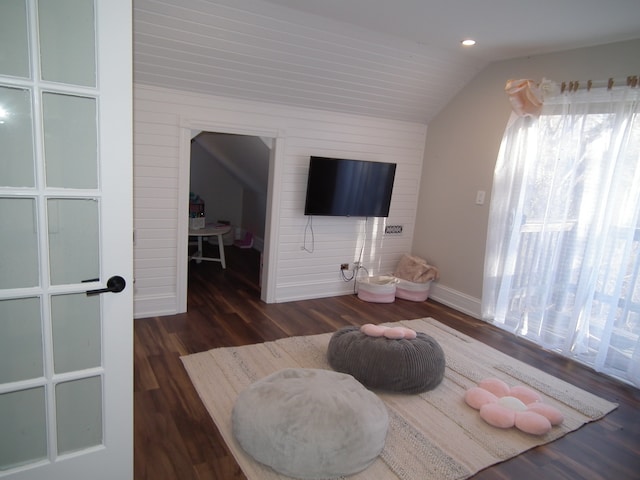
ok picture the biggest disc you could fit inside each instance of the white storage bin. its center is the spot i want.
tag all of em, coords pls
(416, 292)
(379, 289)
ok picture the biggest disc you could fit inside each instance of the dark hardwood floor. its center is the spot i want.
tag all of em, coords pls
(176, 439)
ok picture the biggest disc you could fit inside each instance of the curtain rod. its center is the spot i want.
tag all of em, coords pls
(574, 85)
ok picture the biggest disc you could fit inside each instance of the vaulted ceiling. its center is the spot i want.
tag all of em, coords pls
(399, 60)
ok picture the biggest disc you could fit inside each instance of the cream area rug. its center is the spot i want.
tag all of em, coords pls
(433, 435)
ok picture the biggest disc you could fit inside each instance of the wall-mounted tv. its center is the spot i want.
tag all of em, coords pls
(352, 188)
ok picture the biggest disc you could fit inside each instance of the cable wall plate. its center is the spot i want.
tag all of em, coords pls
(393, 230)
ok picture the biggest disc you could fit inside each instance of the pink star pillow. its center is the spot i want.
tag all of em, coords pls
(505, 407)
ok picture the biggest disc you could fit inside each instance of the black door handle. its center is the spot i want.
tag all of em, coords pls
(115, 284)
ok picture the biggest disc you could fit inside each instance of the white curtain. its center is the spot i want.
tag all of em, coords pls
(563, 246)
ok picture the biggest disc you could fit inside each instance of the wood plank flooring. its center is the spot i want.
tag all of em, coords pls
(176, 439)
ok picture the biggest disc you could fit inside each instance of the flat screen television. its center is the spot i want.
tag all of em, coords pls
(352, 188)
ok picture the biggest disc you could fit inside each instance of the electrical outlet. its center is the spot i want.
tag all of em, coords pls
(344, 266)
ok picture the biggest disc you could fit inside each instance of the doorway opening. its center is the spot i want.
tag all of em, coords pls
(233, 174)
(228, 186)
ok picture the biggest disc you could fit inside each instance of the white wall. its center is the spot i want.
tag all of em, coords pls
(460, 154)
(220, 191)
(254, 206)
(161, 118)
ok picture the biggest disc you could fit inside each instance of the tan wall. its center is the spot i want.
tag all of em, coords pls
(461, 148)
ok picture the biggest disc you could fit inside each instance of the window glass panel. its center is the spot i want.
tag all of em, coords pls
(73, 240)
(70, 141)
(67, 55)
(16, 138)
(18, 244)
(23, 426)
(14, 39)
(21, 340)
(76, 332)
(79, 414)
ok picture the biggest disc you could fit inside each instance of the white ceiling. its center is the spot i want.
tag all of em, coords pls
(503, 28)
(397, 59)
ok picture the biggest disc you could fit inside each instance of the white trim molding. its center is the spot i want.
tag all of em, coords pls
(457, 300)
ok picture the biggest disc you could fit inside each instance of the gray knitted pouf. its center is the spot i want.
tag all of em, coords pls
(398, 365)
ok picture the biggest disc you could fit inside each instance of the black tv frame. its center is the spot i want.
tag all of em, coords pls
(349, 188)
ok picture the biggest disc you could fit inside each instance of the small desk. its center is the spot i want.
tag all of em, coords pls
(211, 231)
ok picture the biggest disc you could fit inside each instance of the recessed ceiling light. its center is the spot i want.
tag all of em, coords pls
(468, 42)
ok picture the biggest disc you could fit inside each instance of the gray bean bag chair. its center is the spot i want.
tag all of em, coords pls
(398, 365)
(310, 423)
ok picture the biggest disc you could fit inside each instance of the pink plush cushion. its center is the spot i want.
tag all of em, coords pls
(476, 397)
(497, 415)
(525, 394)
(552, 414)
(505, 407)
(389, 332)
(533, 423)
(495, 386)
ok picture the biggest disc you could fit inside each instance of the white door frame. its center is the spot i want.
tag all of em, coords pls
(272, 217)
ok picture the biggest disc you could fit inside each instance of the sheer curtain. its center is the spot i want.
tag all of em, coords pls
(563, 246)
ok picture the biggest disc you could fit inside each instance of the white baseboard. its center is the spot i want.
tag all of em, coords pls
(457, 300)
(293, 293)
(440, 293)
(154, 306)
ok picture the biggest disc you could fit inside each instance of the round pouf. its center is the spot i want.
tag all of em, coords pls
(398, 365)
(310, 423)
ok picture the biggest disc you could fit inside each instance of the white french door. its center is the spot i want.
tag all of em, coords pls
(66, 356)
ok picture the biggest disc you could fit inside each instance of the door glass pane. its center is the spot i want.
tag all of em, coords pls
(79, 414)
(23, 426)
(67, 41)
(73, 240)
(14, 39)
(18, 244)
(16, 138)
(21, 340)
(75, 320)
(70, 141)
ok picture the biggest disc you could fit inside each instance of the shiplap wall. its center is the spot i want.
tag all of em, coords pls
(160, 118)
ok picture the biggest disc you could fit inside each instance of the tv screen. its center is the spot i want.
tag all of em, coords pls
(352, 188)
